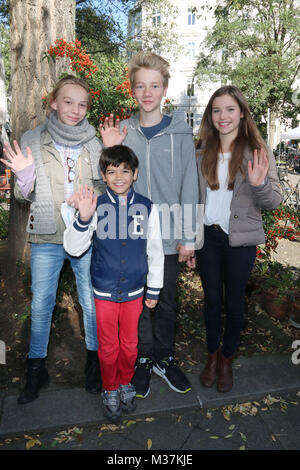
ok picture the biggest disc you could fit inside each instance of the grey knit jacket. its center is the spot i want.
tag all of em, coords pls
(45, 223)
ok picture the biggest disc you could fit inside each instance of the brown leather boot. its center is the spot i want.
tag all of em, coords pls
(225, 380)
(209, 373)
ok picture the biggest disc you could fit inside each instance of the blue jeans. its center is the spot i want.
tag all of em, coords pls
(47, 260)
(223, 270)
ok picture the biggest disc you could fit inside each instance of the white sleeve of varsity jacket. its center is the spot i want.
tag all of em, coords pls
(155, 253)
(78, 235)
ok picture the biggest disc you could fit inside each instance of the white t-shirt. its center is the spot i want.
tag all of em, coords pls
(217, 206)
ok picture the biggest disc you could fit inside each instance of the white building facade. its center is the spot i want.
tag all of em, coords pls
(189, 30)
(188, 21)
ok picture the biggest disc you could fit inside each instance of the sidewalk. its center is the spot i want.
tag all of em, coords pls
(158, 415)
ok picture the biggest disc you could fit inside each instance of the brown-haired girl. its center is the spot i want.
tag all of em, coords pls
(51, 163)
(238, 178)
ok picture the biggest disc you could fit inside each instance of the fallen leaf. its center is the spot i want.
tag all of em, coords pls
(109, 427)
(149, 444)
(31, 442)
(76, 430)
(226, 414)
(54, 443)
(129, 423)
(283, 407)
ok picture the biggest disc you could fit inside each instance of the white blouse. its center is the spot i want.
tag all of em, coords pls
(217, 205)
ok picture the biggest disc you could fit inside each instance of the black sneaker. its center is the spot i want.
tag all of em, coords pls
(167, 369)
(141, 378)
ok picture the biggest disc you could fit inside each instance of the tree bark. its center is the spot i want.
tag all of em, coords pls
(34, 25)
(3, 99)
(272, 128)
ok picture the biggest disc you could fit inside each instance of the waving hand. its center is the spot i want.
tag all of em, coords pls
(15, 159)
(258, 170)
(110, 133)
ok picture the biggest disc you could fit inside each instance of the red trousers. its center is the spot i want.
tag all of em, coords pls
(117, 329)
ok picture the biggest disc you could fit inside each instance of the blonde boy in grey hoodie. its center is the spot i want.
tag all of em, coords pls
(168, 176)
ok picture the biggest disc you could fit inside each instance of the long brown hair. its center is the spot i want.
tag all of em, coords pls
(209, 140)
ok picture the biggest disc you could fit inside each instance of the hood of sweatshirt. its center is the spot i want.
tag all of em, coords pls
(177, 125)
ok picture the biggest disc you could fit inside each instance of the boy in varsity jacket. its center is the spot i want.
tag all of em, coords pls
(124, 228)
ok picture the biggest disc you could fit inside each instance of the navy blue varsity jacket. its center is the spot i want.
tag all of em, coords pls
(127, 247)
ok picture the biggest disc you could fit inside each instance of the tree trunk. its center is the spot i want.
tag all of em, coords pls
(35, 25)
(272, 128)
(3, 99)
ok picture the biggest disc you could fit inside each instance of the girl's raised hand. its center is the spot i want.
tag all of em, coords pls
(86, 203)
(259, 169)
(110, 133)
(15, 159)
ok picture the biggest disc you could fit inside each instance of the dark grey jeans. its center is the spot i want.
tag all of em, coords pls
(157, 334)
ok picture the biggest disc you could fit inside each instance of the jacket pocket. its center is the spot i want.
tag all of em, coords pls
(254, 217)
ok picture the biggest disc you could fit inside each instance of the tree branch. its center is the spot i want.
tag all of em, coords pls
(118, 44)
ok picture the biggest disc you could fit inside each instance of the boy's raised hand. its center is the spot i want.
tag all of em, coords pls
(257, 171)
(15, 159)
(86, 203)
(110, 133)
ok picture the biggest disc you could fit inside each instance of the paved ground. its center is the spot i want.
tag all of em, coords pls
(261, 412)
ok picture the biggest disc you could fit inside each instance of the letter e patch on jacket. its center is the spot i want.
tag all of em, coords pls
(137, 224)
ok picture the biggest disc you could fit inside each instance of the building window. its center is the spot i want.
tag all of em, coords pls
(191, 17)
(135, 25)
(191, 50)
(156, 18)
(190, 87)
(190, 119)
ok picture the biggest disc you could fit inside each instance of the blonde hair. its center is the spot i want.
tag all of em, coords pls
(148, 60)
(209, 140)
(67, 80)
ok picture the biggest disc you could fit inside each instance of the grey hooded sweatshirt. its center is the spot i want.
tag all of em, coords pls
(168, 177)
